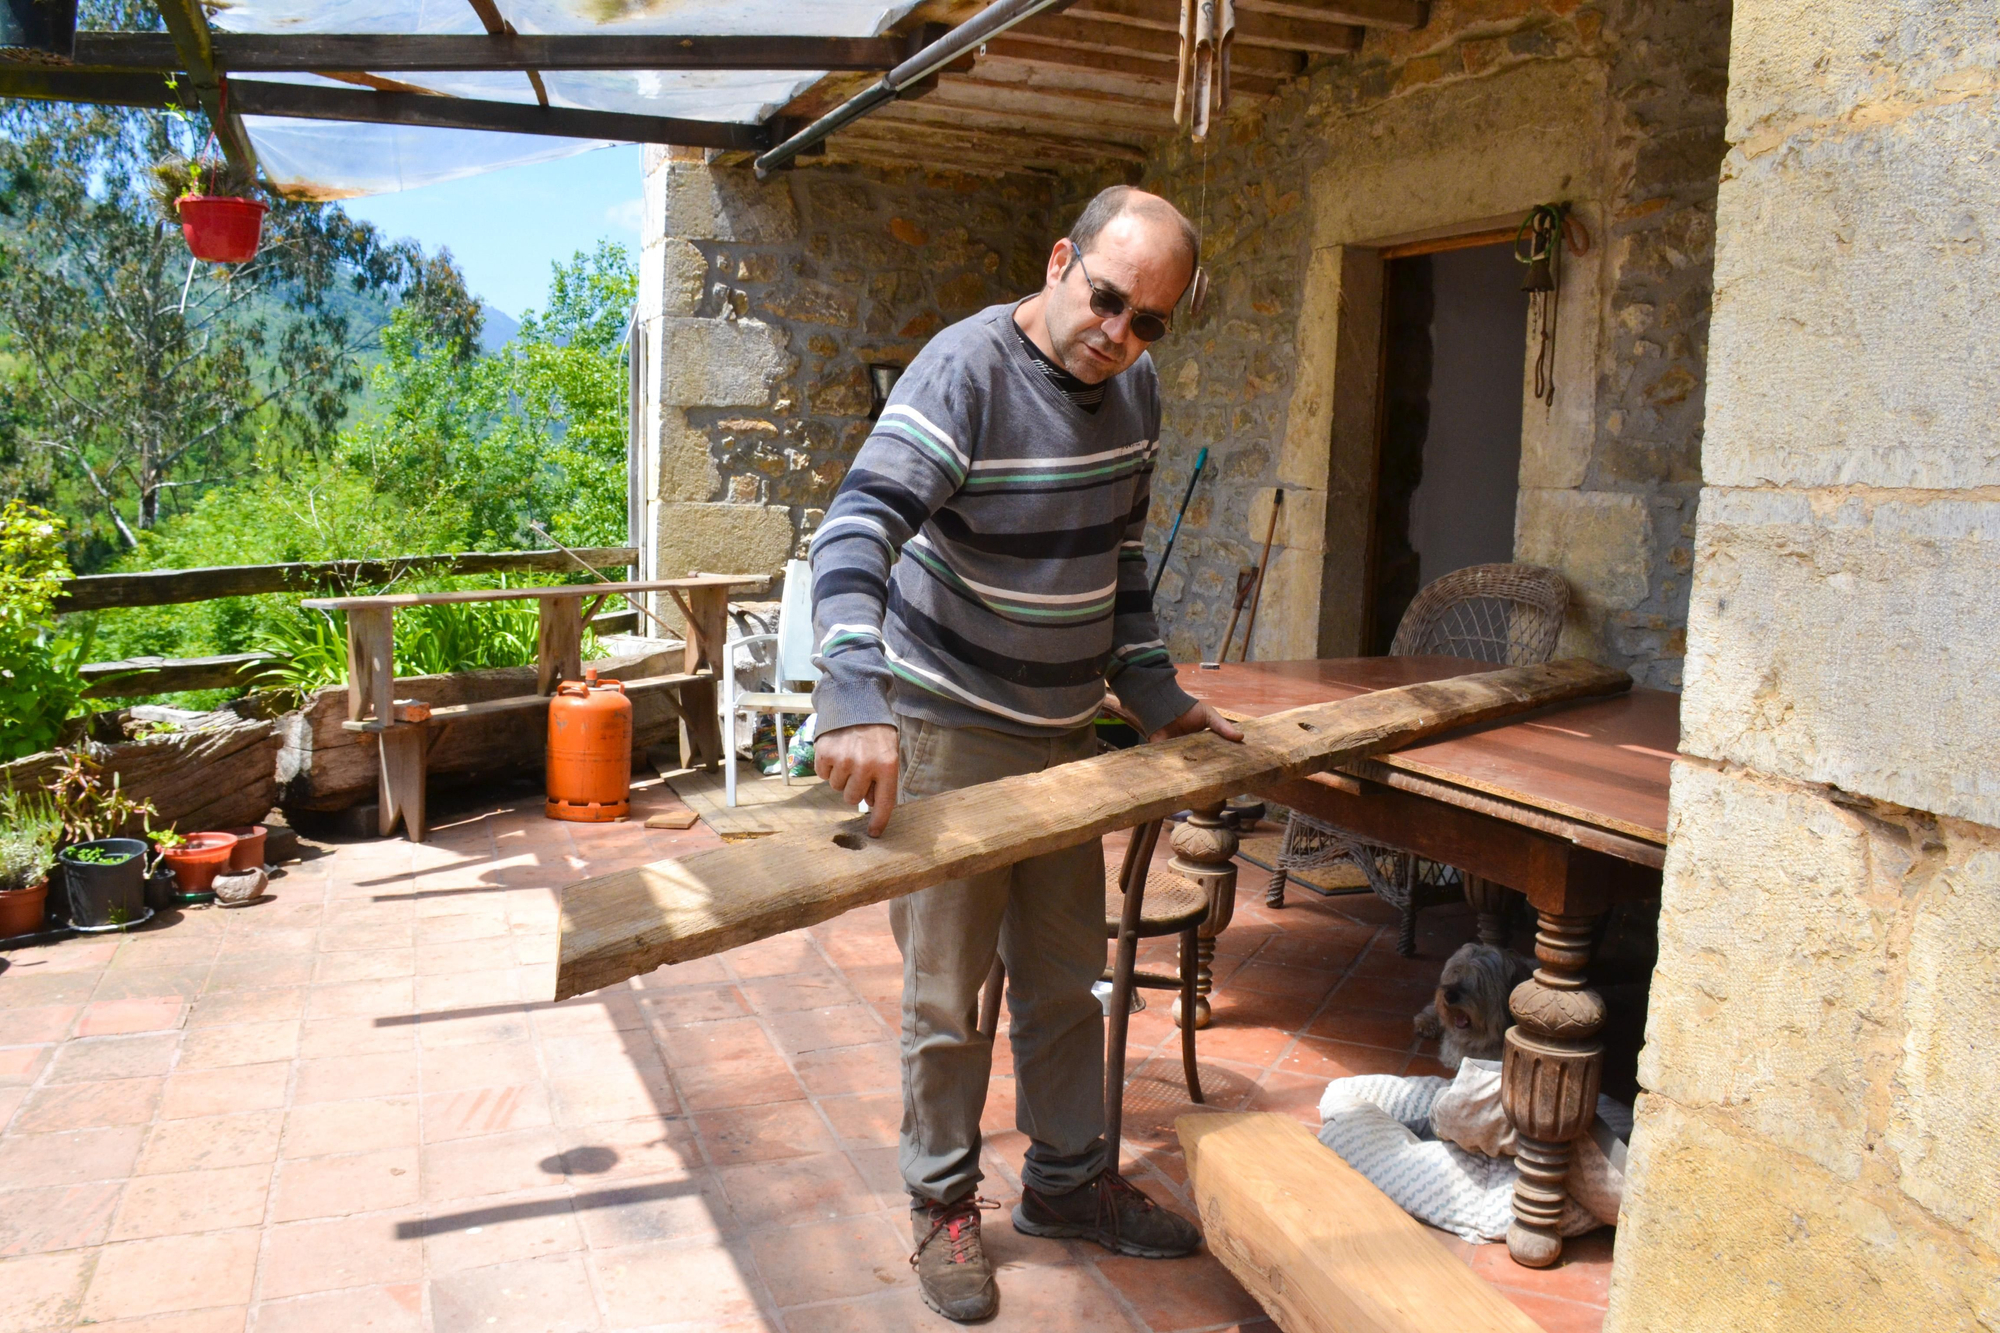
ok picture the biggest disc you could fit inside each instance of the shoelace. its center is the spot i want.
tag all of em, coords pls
(960, 1223)
(1109, 1186)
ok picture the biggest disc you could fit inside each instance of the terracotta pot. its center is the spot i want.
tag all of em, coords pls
(22, 910)
(196, 864)
(220, 228)
(248, 853)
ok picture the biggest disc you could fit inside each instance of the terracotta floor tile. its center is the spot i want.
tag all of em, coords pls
(1170, 1294)
(176, 1203)
(56, 1217)
(649, 1146)
(211, 1144)
(22, 1065)
(687, 1205)
(1554, 1314)
(501, 1229)
(484, 1065)
(622, 1095)
(870, 1120)
(1326, 1060)
(782, 955)
(825, 1261)
(374, 999)
(1366, 1027)
(699, 1283)
(763, 1133)
(103, 1018)
(258, 974)
(324, 1038)
(205, 1092)
(1279, 979)
(363, 965)
(1295, 1095)
(124, 1101)
(87, 1060)
(710, 1043)
(505, 1163)
(438, 958)
(343, 1077)
(527, 1296)
(1385, 994)
(396, 1308)
(172, 1273)
(223, 1319)
(42, 1291)
(473, 1111)
(474, 1028)
(801, 1030)
(440, 997)
(38, 1023)
(731, 1083)
(351, 1127)
(794, 1190)
(1583, 1274)
(339, 1186)
(303, 1257)
(697, 972)
(693, 1004)
(248, 1006)
(873, 1068)
(780, 995)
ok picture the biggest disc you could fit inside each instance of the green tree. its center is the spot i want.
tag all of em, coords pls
(132, 375)
(39, 684)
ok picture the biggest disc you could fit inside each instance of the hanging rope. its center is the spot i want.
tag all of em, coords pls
(1539, 244)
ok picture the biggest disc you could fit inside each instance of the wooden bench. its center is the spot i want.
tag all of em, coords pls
(406, 731)
(1321, 1248)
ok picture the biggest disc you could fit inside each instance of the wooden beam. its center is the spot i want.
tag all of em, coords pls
(166, 587)
(1317, 1245)
(306, 102)
(1395, 15)
(626, 923)
(137, 676)
(1101, 140)
(1085, 116)
(1023, 46)
(944, 147)
(53, 83)
(1123, 39)
(188, 28)
(1037, 76)
(406, 52)
(1281, 32)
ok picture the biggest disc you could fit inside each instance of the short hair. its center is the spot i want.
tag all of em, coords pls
(1122, 199)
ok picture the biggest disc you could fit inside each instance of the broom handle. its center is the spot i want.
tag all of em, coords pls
(1200, 461)
(637, 604)
(1257, 585)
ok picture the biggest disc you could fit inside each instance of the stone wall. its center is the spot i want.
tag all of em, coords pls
(764, 304)
(1495, 105)
(1820, 1142)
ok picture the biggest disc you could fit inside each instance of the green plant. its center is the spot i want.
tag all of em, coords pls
(90, 807)
(118, 914)
(97, 856)
(40, 684)
(164, 838)
(176, 175)
(29, 832)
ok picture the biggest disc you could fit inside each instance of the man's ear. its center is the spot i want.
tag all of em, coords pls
(1059, 260)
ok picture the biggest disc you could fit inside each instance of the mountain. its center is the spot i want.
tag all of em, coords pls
(500, 327)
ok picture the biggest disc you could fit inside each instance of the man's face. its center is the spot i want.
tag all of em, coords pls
(1140, 260)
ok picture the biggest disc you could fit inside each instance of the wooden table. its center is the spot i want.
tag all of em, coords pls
(1567, 806)
(405, 732)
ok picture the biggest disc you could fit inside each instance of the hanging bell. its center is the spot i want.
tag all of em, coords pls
(1539, 278)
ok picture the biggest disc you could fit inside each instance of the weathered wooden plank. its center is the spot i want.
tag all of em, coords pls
(165, 587)
(1024, 46)
(620, 925)
(132, 677)
(397, 600)
(1321, 1249)
(1320, 34)
(1396, 15)
(306, 52)
(1119, 38)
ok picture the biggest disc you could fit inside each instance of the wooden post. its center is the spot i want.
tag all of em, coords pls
(1203, 850)
(558, 642)
(371, 671)
(400, 788)
(1549, 1079)
(707, 633)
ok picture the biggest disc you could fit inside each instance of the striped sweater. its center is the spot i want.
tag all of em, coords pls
(1017, 516)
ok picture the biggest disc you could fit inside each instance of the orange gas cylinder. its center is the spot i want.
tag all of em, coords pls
(590, 750)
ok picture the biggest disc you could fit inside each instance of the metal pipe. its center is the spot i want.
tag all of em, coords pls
(982, 27)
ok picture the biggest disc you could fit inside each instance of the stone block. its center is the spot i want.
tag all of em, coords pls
(1556, 438)
(1724, 1232)
(719, 362)
(677, 271)
(1601, 541)
(722, 539)
(1853, 270)
(1842, 638)
(687, 470)
(1288, 613)
(703, 203)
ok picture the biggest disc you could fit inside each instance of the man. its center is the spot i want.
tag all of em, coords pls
(1010, 472)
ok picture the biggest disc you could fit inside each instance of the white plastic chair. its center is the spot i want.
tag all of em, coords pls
(794, 646)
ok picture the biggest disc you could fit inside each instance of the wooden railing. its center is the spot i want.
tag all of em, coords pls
(138, 676)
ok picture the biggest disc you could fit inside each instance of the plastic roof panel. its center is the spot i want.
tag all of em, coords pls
(330, 159)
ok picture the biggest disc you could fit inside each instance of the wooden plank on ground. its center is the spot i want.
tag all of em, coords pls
(1321, 1248)
(626, 923)
(166, 587)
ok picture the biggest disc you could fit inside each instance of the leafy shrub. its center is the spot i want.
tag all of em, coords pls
(39, 681)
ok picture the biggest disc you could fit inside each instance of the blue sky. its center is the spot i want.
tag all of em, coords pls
(505, 228)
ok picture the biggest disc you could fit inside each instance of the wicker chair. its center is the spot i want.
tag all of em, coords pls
(1509, 615)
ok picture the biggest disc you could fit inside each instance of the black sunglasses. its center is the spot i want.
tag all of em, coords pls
(1107, 304)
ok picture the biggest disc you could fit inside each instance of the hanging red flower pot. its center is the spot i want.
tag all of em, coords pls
(220, 228)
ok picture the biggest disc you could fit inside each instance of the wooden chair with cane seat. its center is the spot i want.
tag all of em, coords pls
(1508, 615)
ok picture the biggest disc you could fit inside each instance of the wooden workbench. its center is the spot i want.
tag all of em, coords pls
(1568, 806)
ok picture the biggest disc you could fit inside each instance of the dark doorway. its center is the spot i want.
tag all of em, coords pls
(1455, 338)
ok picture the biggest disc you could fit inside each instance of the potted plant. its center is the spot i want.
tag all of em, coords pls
(196, 858)
(107, 882)
(29, 831)
(220, 220)
(248, 853)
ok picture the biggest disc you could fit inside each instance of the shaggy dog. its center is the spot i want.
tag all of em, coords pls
(1468, 1016)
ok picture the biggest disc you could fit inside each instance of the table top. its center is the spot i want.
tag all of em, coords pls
(510, 594)
(1601, 761)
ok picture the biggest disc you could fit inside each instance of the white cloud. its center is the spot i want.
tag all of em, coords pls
(629, 215)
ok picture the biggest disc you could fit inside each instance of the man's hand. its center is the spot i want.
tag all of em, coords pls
(1200, 717)
(860, 763)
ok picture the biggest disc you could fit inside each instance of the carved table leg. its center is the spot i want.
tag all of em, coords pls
(1549, 1081)
(1491, 901)
(1204, 847)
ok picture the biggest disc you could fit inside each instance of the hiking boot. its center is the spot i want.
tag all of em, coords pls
(953, 1273)
(1111, 1211)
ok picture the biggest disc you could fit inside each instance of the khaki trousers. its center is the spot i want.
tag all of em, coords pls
(1045, 916)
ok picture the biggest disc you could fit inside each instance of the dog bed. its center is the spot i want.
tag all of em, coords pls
(1443, 1150)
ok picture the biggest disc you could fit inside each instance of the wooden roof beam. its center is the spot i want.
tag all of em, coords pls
(1118, 38)
(1061, 134)
(187, 27)
(1124, 62)
(1278, 32)
(1395, 15)
(1088, 117)
(387, 53)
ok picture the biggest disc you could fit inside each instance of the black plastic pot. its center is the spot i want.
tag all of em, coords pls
(163, 892)
(95, 891)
